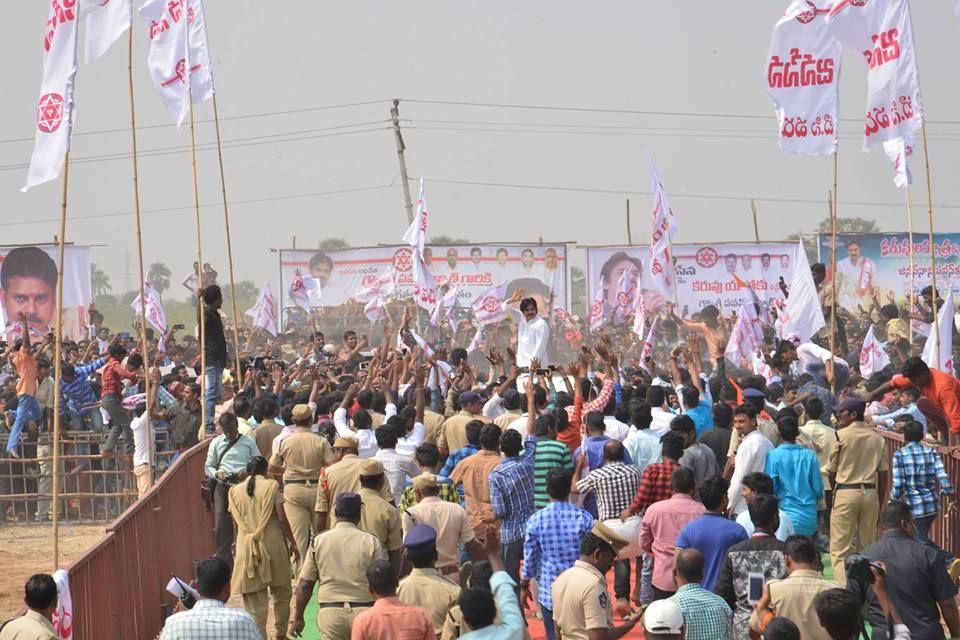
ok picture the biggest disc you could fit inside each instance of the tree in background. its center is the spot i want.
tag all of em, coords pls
(99, 280)
(331, 244)
(844, 225)
(159, 277)
(448, 240)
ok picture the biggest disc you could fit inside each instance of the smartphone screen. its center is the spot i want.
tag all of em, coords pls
(754, 587)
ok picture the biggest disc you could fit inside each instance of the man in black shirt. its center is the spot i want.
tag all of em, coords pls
(215, 349)
(917, 581)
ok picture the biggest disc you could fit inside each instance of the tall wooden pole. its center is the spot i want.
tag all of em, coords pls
(401, 148)
(629, 230)
(57, 363)
(136, 207)
(933, 255)
(831, 204)
(200, 310)
(913, 276)
(226, 221)
(756, 227)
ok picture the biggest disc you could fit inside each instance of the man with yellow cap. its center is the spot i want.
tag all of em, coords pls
(337, 564)
(341, 477)
(582, 607)
(379, 517)
(299, 458)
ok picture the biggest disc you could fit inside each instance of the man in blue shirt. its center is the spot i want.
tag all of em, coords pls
(712, 533)
(795, 472)
(698, 409)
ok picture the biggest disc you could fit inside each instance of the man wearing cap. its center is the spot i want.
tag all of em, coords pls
(425, 586)
(453, 436)
(338, 560)
(379, 517)
(343, 476)
(663, 620)
(299, 458)
(858, 471)
(448, 520)
(582, 608)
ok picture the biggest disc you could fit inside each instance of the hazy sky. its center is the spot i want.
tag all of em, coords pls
(705, 58)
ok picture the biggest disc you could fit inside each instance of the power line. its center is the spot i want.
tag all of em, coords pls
(295, 196)
(639, 112)
(262, 114)
(695, 196)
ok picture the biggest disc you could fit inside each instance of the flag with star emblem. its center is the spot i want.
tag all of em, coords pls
(54, 111)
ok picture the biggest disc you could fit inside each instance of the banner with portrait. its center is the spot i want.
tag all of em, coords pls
(871, 264)
(28, 284)
(720, 274)
(349, 274)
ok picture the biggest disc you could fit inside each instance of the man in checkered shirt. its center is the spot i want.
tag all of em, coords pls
(615, 484)
(917, 472)
(210, 618)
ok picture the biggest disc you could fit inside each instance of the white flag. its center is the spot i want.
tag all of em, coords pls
(639, 312)
(802, 76)
(945, 326)
(872, 356)
(881, 33)
(154, 310)
(488, 307)
(107, 20)
(300, 291)
(477, 341)
(264, 312)
(63, 614)
(178, 52)
(647, 350)
(956, 8)
(627, 287)
(746, 339)
(598, 310)
(55, 109)
(425, 285)
(899, 150)
(445, 306)
(416, 233)
(664, 227)
(803, 315)
(375, 296)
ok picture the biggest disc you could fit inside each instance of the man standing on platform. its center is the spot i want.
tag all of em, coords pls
(215, 349)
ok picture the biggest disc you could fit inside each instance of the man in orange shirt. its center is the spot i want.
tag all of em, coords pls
(27, 406)
(388, 617)
(473, 473)
(941, 389)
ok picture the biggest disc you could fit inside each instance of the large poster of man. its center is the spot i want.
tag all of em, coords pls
(338, 276)
(719, 274)
(28, 285)
(870, 264)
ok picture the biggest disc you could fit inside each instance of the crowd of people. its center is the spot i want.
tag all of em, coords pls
(416, 489)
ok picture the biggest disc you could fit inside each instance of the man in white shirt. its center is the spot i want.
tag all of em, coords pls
(751, 454)
(140, 425)
(660, 417)
(533, 332)
(813, 359)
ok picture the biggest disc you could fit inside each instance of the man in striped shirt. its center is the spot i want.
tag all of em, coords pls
(79, 397)
(549, 453)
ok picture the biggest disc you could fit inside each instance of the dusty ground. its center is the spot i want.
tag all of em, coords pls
(28, 549)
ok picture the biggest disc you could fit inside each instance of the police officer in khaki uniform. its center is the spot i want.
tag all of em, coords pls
(453, 435)
(858, 471)
(300, 458)
(341, 477)
(580, 598)
(425, 587)
(338, 560)
(40, 596)
(379, 517)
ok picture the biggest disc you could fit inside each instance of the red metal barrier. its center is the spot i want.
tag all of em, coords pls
(118, 585)
(946, 528)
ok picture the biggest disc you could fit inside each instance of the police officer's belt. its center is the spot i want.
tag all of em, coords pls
(316, 481)
(857, 485)
(352, 605)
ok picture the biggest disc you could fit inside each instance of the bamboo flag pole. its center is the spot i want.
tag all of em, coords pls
(933, 256)
(226, 220)
(913, 277)
(200, 310)
(629, 230)
(57, 368)
(756, 227)
(831, 204)
(136, 208)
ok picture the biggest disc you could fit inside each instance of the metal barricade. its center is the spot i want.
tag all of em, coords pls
(118, 586)
(93, 487)
(946, 528)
